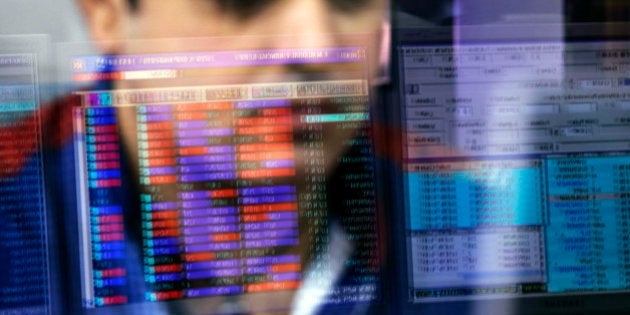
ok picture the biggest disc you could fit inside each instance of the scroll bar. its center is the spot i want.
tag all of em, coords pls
(85, 241)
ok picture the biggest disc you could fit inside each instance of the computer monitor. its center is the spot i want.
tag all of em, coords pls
(27, 240)
(515, 162)
(212, 177)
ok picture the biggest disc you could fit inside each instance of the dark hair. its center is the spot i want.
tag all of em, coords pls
(133, 4)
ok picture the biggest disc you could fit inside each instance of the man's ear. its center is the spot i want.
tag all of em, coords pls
(107, 21)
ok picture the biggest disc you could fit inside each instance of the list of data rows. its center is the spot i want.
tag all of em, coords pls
(514, 99)
(571, 210)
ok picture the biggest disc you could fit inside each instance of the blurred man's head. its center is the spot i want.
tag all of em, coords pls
(114, 20)
(116, 25)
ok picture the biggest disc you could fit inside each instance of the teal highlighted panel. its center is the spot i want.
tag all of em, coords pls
(17, 107)
(471, 197)
(331, 118)
(587, 236)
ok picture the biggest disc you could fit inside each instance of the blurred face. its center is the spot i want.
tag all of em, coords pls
(256, 24)
(262, 17)
(115, 28)
(315, 22)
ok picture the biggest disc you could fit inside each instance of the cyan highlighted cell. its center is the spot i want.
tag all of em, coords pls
(331, 118)
(17, 107)
(472, 198)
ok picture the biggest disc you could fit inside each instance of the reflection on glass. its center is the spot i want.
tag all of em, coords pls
(515, 165)
(205, 191)
(24, 283)
(195, 175)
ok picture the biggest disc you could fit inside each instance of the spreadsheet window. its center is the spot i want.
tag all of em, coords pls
(237, 184)
(515, 168)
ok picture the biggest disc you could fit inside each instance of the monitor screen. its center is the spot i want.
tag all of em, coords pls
(24, 241)
(224, 181)
(515, 167)
(167, 172)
